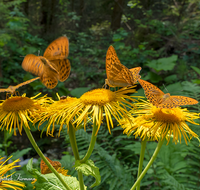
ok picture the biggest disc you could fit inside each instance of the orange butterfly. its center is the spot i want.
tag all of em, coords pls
(12, 89)
(119, 75)
(53, 65)
(44, 168)
(159, 99)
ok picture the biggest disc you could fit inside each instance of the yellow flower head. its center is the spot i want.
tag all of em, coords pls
(5, 182)
(56, 113)
(152, 122)
(99, 103)
(17, 111)
(95, 104)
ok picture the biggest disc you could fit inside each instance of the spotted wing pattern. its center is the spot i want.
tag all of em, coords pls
(63, 68)
(183, 100)
(135, 73)
(11, 89)
(44, 168)
(161, 100)
(53, 65)
(118, 75)
(49, 77)
(58, 49)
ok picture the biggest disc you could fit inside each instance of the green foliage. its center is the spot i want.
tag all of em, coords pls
(117, 158)
(20, 153)
(160, 36)
(88, 168)
(166, 64)
(77, 92)
(50, 181)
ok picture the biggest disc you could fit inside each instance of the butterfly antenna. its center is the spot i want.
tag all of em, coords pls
(165, 88)
(38, 52)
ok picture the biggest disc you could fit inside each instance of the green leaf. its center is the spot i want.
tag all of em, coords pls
(87, 169)
(50, 181)
(20, 153)
(77, 92)
(196, 69)
(154, 78)
(197, 81)
(174, 89)
(166, 63)
(170, 78)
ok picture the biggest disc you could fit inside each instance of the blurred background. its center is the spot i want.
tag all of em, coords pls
(161, 36)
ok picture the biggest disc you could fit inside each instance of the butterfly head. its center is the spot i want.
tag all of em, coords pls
(166, 96)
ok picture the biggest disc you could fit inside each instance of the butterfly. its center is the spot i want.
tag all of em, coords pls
(44, 168)
(53, 65)
(12, 89)
(119, 75)
(159, 99)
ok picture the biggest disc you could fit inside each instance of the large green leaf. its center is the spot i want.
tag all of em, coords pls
(50, 181)
(166, 63)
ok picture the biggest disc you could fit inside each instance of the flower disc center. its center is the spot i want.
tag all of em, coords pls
(17, 103)
(168, 115)
(98, 97)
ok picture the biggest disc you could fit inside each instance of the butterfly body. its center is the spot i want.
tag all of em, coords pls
(44, 168)
(119, 75)
(53, 65)
(161, 100)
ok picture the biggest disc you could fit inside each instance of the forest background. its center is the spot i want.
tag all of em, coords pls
(161, 36)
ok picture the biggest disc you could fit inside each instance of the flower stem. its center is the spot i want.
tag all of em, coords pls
(37, 149)
(160, 143)
(143, 143)
(73, 143)
(92, 143)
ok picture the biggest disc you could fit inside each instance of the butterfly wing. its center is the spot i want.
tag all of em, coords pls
(33, 64)
(175, 101)
(117, 74)
(44, 168)
(49, 78)
(153, 94)
(63, 67)
(58, 49)
(135, 73)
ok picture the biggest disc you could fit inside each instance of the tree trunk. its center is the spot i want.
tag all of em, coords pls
(117, 14)
(44, 20)
(81, 7)
(26, 5)
(51, 16)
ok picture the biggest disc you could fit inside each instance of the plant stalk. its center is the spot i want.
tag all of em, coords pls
(37, 149)
(160, 143)
(143, 146)
(92, 144)
(73, 143)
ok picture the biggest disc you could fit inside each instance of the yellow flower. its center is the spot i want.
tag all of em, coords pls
(56, 113)
(5, 182)
(17, 111)
(62, 171)
(100, 103)
(96, 104)
(152, 122)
